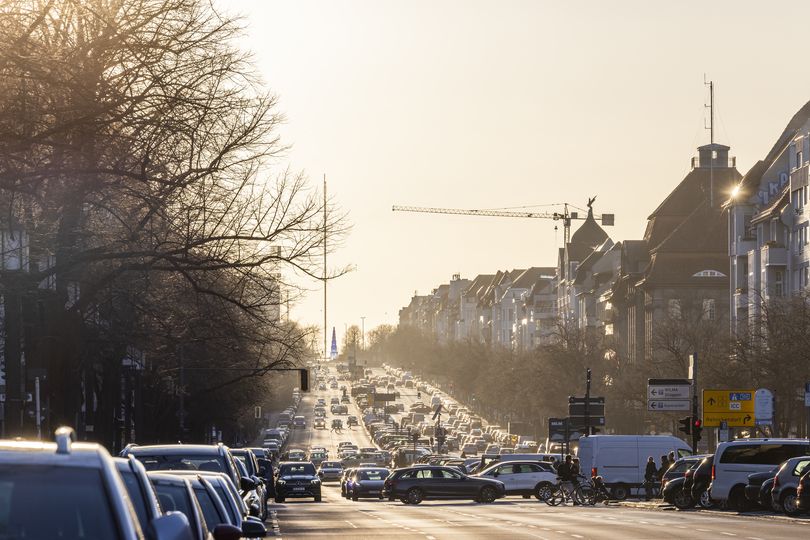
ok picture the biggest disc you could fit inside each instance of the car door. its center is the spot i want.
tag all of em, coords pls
(451, 484)
(506, 474)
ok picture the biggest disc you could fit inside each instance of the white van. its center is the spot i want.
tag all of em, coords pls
(735, 460)
(621, 459)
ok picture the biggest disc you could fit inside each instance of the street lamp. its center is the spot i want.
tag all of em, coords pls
(363, 332)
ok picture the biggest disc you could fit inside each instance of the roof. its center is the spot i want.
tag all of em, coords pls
(589, 233)
(173, 449)
(773, 209)
(529, 277)
(86, 455)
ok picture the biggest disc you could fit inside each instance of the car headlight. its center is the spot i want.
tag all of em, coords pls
(316, 481)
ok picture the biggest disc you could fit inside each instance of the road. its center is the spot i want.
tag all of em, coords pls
(513, 517)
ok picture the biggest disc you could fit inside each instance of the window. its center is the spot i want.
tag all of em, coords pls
(763, 454)
(779, 283)
(423, 473)
(709, 311)
(674, 308)
(801, 467)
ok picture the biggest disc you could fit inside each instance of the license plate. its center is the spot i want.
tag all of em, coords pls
(298, 489)
(373, 492)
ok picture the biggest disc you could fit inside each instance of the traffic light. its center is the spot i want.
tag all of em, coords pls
(304, 379)
(697, 428)
(419, 395)
(686, 425)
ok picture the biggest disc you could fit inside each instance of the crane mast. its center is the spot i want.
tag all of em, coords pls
(565, 216)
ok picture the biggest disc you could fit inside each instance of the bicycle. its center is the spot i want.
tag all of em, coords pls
(594, 490)
(559, 495)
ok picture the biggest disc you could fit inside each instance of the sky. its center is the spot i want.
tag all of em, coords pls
(507, 103)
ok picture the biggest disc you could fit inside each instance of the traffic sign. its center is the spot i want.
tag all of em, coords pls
(669, 405)
(733, 419)
(723, 401)
(763, 406)
(669, 391)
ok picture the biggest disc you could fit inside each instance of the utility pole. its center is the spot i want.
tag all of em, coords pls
(363, 335)
(587, 402)
(693, 376)
(325, 332)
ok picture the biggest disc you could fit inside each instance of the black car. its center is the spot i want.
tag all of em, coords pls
(412, 485)
(754, 485)
(367, 482)
(701, 479)
(679, 468)
(765, 496)
(803, 494)
(297, 479)
(674, 493)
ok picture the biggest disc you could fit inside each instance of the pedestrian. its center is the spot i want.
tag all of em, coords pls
(649, 477)
(665, 465)
(671, 458)
(565, 475)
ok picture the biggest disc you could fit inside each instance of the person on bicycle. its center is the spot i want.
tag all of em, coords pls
(649, 477)
(565, 472)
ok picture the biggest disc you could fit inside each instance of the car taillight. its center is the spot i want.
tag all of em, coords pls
(776, 481)
(689, 473)
(594, 472)
(713, 472)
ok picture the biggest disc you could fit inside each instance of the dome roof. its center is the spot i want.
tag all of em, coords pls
(589, 233)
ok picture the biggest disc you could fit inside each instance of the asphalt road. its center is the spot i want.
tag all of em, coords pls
(513, 517)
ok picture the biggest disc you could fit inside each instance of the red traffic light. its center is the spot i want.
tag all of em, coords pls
(698, 422)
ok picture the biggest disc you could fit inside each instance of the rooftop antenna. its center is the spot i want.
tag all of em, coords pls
(710, 106)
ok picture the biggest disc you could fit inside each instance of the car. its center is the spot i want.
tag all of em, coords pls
(334, 401)
(227, 492)
(205, 457)
(215, 504)
(352, 421)
(523, 477)
(321, 402)
(754, 485)
(295, 454)
(735, 460)
(297, 479)
(412, 485)
(299, 422)
(344, 478)
(330, 470)
(251, 464)
(700, 480)
(319, 423)
(79, 487)
(786, 483)
(679, 468)
(803, 493)
(345, 400)
(673, 492)
(321, 387)
(317, 457)
(367, 482)
(176, 494)
(469, 449)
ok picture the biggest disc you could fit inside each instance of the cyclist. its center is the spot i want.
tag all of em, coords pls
(649, 477)
(566, 474)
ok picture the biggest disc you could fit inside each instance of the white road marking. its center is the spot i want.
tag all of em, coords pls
(727, 533)
(577, 536)
(350, 523)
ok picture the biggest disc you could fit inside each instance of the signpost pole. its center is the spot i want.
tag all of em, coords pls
(693, 369)
(587, 401)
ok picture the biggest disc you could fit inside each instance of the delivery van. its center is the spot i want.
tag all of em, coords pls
(622, 459)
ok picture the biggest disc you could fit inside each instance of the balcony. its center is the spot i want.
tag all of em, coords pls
(774, 255)
(798, 177)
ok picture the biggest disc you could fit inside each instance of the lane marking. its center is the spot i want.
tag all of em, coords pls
(350, 523)
(727, 533)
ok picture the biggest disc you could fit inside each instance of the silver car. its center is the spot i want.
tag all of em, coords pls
(786, 482)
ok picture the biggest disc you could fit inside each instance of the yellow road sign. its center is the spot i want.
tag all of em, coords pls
(728, 401)
(733, 419)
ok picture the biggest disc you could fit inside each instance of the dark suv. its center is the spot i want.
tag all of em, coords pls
(184, 457)
(297, 479)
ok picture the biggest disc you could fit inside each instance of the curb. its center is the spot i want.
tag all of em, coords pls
(762, 515)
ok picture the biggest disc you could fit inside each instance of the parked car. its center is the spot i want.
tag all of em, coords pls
(621, 459)
(803, 494)
(786, 484)
(297, 479)
(523, 477)
(215, 512)
(141, 492)
(415, 484)
(70, 490)
(176, 494)
(754, 486)
(735, 460)
(203, 457)
(700, 480)
(251, 463)
(673, 492)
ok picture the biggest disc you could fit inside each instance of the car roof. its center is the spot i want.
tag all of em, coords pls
(170, 449)
(89, 455)
(164, 478)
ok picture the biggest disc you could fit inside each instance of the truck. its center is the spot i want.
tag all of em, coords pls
(622, 459)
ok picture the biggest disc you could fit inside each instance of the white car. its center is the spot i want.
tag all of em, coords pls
(523, 477)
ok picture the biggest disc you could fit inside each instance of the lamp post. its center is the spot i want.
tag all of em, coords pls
(363, 333)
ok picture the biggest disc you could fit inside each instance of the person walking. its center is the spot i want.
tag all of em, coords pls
(665, 465)
(671, 458)
(649, 477)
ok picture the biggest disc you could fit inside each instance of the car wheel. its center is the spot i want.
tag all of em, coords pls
(405, 500)
(790, 503)
(488, 495)
(620, 492)
(279, 499)
(355, 497)
(683, 500)
(543, 491)
(414, 496)
(705, 500)
(737, 500)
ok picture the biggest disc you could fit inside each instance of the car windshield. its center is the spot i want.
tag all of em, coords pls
(331, 465)
(39, 501)
(173, 462)
(296, 469)
(372, 475)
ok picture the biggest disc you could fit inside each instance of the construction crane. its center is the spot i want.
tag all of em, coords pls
(565, 216)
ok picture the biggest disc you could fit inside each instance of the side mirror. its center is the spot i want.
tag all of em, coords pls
(171, 526)
(246, 484)
(254, 510)
(226, 531)
(253, 529)
(496, 474)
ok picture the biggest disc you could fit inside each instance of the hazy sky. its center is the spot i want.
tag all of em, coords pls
(476, 104)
